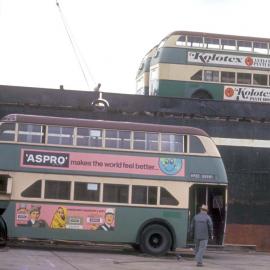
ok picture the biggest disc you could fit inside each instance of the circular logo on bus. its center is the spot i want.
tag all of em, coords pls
(170, 166)
(249, 61)
(229, 92)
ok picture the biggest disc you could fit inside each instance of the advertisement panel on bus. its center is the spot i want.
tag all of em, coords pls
(228, 59)
(252, 94)
(105, 163)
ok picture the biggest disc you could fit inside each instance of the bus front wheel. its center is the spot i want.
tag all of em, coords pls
(155, 240)
(3, 232)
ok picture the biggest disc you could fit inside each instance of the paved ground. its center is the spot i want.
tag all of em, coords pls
(26, 258)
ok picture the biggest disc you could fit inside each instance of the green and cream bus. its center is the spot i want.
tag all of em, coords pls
(104, 181)
(209, 66)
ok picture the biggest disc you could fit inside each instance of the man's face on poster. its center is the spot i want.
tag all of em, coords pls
(34, 215)
(109, 219)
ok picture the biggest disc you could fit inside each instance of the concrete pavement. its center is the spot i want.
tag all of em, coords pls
(14, 258)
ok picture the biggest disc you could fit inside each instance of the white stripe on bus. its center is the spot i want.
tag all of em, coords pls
(242, 142)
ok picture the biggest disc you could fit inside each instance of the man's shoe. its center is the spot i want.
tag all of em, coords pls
(199, 264)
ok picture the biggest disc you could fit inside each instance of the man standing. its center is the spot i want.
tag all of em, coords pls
(202, 229)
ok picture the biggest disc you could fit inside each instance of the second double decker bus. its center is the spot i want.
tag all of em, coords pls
(210, 66)
(104, 181)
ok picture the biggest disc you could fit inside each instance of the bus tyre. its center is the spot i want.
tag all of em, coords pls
(3, 232)
(155, 240)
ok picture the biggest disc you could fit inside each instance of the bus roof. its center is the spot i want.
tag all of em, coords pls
(77, 122)
(213, 35)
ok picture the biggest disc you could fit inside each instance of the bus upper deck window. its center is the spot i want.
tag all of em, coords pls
(139, 140)
(172, 143)
(7, 132)
(152, 141)
(195, 145)
(117, 139)
(145, 141)
(228, 44)
(124, 139)
(60, 135)
(195, 41)
(181, 41)
(30, 133)
(260, 47)
(245, 46)
(211, 43)
(89, 137)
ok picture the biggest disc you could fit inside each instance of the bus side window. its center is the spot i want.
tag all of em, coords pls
(166, 198)
(181, 41)
(172, 143)
(115, 193)
(244, 78)
(195, 41)
(30, 133)
(245, 46)
(227, 77)
(195, 145)
(57, 189)
(260, 47)
(211, 76)
(60, 135)
(86, 191)
(5, 184)
(7, 132)
(33, 191)
(212, 43)
(117, 139)
(144, 195)
(259, 79)
(152, 141)
(139, 140)
(228, 44)
(197, 76)
(89, 137)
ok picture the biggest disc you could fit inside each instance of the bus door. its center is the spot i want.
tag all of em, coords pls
(215, 198)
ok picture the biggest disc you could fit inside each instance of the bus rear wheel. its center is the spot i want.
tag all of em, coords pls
(155, 240)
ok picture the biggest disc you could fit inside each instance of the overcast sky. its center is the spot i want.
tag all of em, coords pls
(112, 37)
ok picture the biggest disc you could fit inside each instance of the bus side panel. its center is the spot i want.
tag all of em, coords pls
(171, 88)
(128, 220)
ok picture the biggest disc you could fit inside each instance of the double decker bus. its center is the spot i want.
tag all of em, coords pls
(105, 181)
(209, 66)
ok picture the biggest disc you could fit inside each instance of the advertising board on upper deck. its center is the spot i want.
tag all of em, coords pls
(207, 58)
(103, 163)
